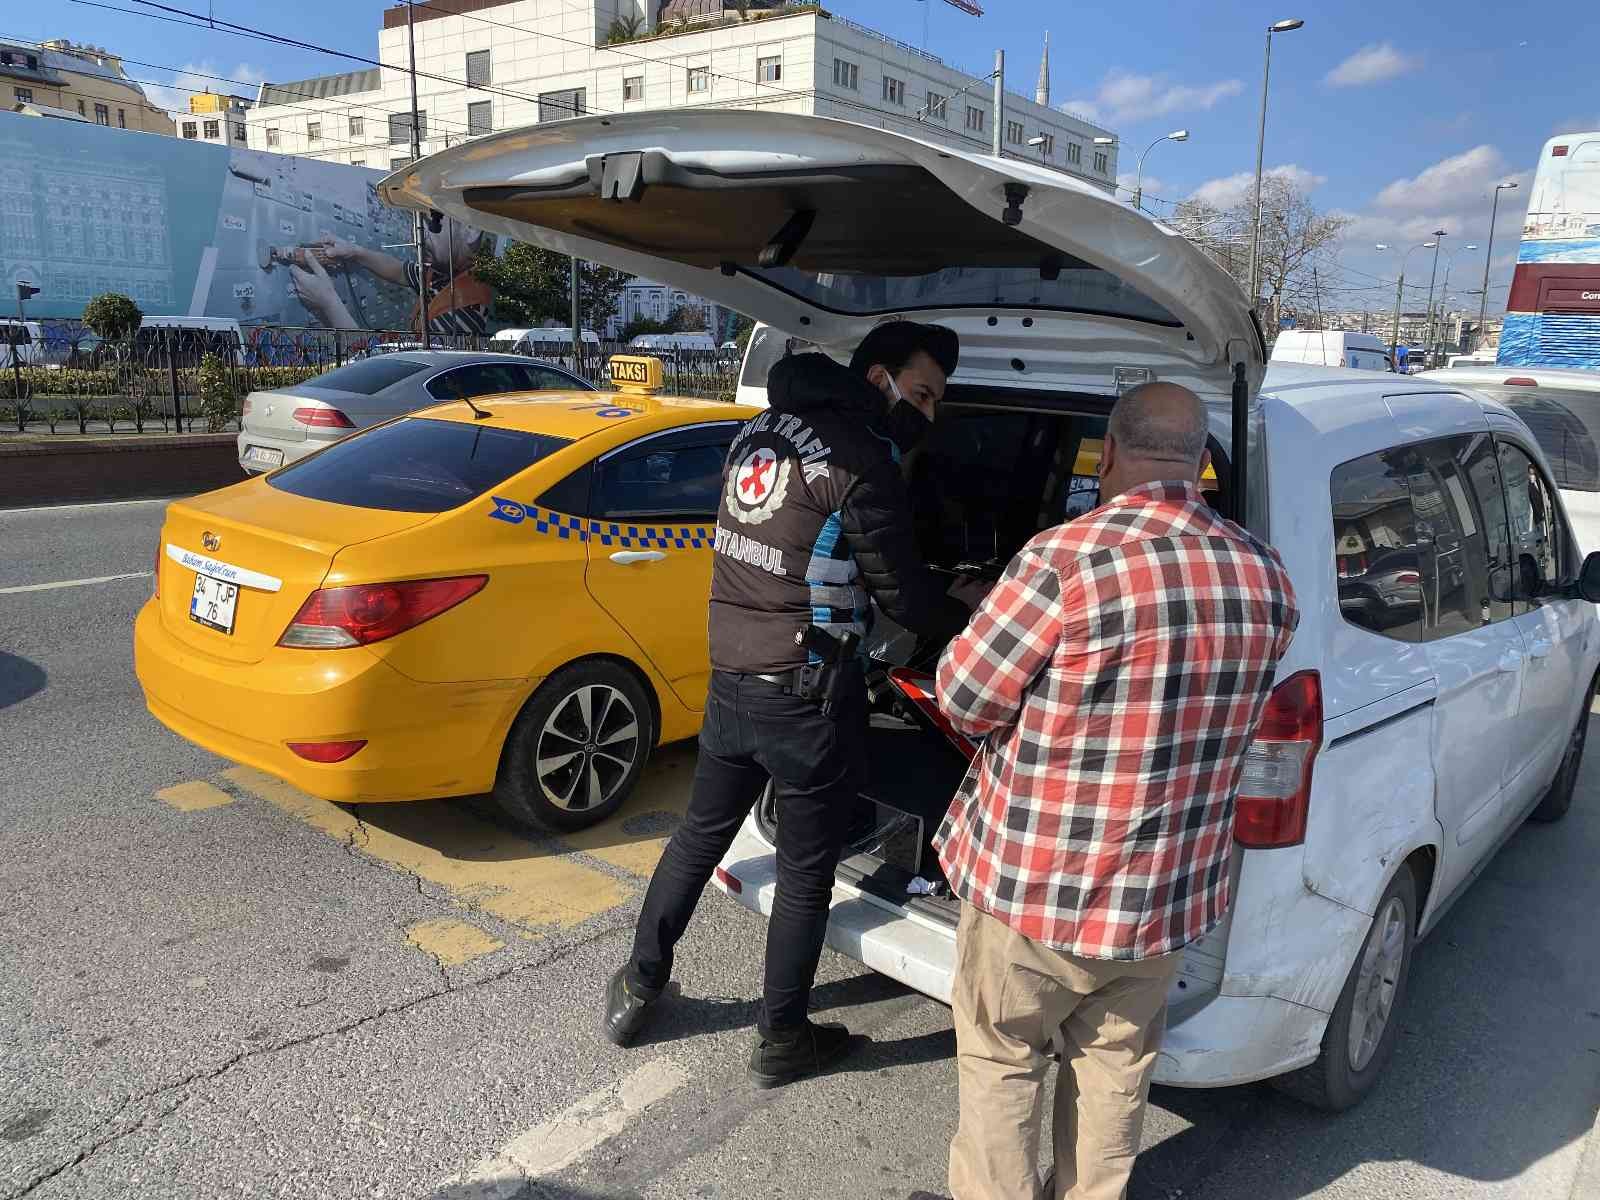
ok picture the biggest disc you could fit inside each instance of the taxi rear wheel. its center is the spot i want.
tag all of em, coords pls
(577, 749)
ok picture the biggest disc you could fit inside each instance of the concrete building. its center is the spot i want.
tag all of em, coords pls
(87, 80)
(488, 65)
(217, 119)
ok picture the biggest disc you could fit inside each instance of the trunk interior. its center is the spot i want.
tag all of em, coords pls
(999, 467)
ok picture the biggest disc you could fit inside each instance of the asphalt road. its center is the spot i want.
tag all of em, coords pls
(216, 986)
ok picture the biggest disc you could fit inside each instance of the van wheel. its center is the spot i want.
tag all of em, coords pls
(576, 750)
(1559, 798)
(1366, 1021)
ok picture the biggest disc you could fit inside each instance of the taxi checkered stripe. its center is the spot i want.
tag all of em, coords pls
(607, 533)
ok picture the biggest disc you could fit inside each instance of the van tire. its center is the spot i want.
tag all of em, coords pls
(571, 716)
(1558, 799)
(1334, 1082)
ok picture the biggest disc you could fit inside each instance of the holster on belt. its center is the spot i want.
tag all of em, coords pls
(821, 680)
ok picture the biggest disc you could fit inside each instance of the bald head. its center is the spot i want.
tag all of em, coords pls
(1157, 432)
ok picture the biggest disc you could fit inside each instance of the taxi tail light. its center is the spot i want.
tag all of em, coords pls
(364, 613)
(323, 418)
(327, 752)
(1274, 798)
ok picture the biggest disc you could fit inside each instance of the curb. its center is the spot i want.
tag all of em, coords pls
(1586, 1183)
(76, 469)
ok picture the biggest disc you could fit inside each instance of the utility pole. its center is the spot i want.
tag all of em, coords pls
(999, 101)
(1322, 334)
(1427, 342)
(416, 153)
(25, 291)
(1261, 150)
(577, 329)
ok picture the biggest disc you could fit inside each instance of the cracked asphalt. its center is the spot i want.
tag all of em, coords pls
(215, 986)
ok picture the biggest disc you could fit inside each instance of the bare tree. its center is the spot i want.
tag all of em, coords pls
(1292, 232)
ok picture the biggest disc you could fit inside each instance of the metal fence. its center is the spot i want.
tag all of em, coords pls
(75, 382)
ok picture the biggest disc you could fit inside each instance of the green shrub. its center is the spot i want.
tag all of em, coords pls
(112, 315)
(219, 404)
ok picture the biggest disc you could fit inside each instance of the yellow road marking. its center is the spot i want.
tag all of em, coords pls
(483, 866)
(654, 809)
(450, 941)
(193, 796)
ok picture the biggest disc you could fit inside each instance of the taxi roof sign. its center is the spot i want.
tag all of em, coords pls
(637, 374)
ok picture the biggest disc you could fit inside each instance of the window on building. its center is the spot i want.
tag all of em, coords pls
(633, 87)
(213, 130)
(81, 113)
(480, 117)
(313, 131)
(102, 114)
(1049, 147)
(894, 91)
(699, 79)
(358, 127)
(396, 163)
(1074, 153)
(769, 70)
(1100, 160)
(191, 130)
(358, 160)
(400, 127)
(24, 95)
(272, 136)
(975, 119)
(846, 75)
(1014, 132)
(937, 105)
(477, 68)
(558, 106)
(33, 62)
(238, 132)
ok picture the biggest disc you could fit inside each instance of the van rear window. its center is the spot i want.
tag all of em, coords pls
(415, 465)
(367, 377)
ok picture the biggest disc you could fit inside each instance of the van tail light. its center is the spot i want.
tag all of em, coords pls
(1275, 786)
(323, 418)
(1520, 381)
(1408, 577)
(730, 881)
(326, 752)
(363, 613)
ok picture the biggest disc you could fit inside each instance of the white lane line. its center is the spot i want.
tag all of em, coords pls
(66, 583)
(570, 1134)
(55, 508)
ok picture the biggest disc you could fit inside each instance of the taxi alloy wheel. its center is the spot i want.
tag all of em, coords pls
(577, 749)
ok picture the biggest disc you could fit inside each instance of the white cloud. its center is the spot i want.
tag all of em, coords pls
(1371, 64)
(1124, 98)
(1230, 189)
(203, 76)
(1448, 183)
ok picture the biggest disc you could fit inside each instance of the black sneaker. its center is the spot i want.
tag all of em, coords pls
(777, 1060)
(626, 1010)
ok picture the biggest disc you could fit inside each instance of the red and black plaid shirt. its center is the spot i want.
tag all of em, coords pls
(1117, 672)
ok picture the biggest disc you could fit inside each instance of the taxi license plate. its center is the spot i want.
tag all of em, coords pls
(213, 603)
(262, 456)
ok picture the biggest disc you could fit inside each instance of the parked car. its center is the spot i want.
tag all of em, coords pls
(280, 426)
(1562, 407)
(492, 596)
(1391, 763)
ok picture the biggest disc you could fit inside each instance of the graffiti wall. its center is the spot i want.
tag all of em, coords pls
(192, 229)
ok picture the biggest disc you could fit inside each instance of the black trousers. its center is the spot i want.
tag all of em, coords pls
(753, 732)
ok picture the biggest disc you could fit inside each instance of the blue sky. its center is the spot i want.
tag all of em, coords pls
(1403, 115)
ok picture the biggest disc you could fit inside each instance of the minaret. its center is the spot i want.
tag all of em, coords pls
(1041, 94)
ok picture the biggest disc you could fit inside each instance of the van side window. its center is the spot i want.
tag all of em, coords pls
(1461, 533)
(1375, 553)
(1532, 514)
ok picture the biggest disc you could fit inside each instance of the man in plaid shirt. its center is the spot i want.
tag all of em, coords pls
(1116, 673)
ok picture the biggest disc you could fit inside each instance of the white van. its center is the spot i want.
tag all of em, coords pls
(674, 341)
(1441, 677)
(191, 337)
(22, 343)
(1332, 348)
(766, 346)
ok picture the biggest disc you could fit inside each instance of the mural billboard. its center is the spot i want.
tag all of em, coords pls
(191, 229)
(1553, 312)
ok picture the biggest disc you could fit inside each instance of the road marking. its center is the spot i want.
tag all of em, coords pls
(659, 803)
(570, 1134)
(53, 508)
(452, 942)
(483, 866)
(195, 796)
(66, 583)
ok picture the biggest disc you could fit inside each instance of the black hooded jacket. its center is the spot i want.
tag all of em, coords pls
(814, 519)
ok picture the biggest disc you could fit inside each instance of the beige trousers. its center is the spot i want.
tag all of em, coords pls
(1012, 996)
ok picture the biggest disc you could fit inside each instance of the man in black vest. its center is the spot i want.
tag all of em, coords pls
(814, 527)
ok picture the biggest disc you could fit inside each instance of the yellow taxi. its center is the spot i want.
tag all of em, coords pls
(505, 594)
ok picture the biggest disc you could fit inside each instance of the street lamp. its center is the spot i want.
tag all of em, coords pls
(1177, 135)
(1449, 263)
(1399, 291)
(1483, 306)
(1261, 149)
(1427, 342)
(1038, 143)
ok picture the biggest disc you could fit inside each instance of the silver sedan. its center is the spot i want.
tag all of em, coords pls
(280, 426)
